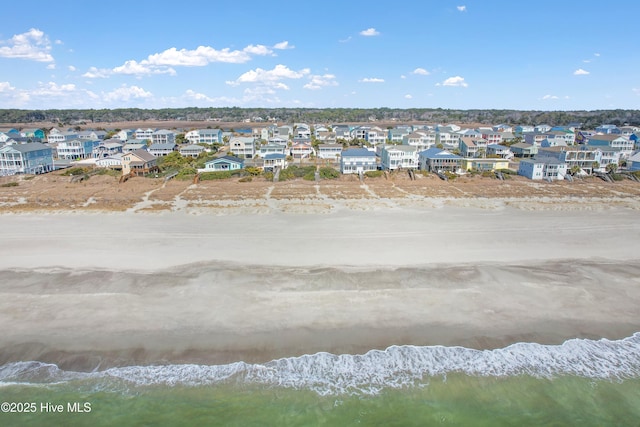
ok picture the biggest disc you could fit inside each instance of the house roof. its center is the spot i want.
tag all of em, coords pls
(274, 156)
(405, 148)
(163, 146)
(163, 132)
(523, 146)
(358, 152)
(143, 155)
(192, 147)
(437, 153)
(226, 159)
(545, 160)
(26, 148)
(608, 137)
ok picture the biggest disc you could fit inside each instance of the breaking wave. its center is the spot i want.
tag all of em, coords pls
(369, 373)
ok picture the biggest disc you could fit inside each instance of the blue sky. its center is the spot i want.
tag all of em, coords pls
(542, 55)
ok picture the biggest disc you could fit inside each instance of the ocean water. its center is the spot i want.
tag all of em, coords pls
(581, 382)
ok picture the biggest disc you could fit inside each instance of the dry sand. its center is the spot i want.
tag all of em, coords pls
(277, 276)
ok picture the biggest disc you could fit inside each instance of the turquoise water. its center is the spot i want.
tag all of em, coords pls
(582, 383)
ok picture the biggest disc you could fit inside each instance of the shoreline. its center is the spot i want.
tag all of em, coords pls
(219, 314)
(99, 290)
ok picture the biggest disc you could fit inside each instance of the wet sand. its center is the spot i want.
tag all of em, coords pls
(90, 291)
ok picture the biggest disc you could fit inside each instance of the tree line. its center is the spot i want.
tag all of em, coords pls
(587, 119)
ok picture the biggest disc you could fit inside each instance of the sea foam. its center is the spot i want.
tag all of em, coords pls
(369, 373)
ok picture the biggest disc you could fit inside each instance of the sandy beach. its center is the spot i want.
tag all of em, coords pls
(96, 289)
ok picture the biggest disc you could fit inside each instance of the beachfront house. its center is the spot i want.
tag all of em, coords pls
(578, 156)
(438, 160)
(326, 137)
(491, 136)
(29, 158)
(204, 136)
(546, 168)
(243, 147)
(267, 149)
(394, 157)
(191, 150)
(133, 145)
(274, 161)
(472, 147)
(499, 150)
(448, 138)
(110, 162)
(523, 150)
(624, 144)
(162, 149)
(139, 162)
(633, 162)
(376, 136)
(396, 135)
(357, 160)
(107, 148)
(77, 149)
(329, 151)
(469, 164)
(224, 163)
(302, 150)
(420, 140)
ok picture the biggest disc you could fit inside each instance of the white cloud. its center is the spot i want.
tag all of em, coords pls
(371, 80)
(33, 45)
(408, 96)
(461, 8)
(319, 81)
(550, 97)
(283, 45)
(163, 62)
(270, 77)
(53, 89)
(420, 71)
(369, 32)
(258, 50)
(71, 68)
(403, 76)
(51, 66)
(95, 73)
(141, 68)
(455, 81)
(345, 40)
(198, 57)
(126, 93)
(6, 87)
(195, 96)
(596, 54)
(580, 72)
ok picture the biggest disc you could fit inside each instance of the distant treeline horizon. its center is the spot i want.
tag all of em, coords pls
(584, 119)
